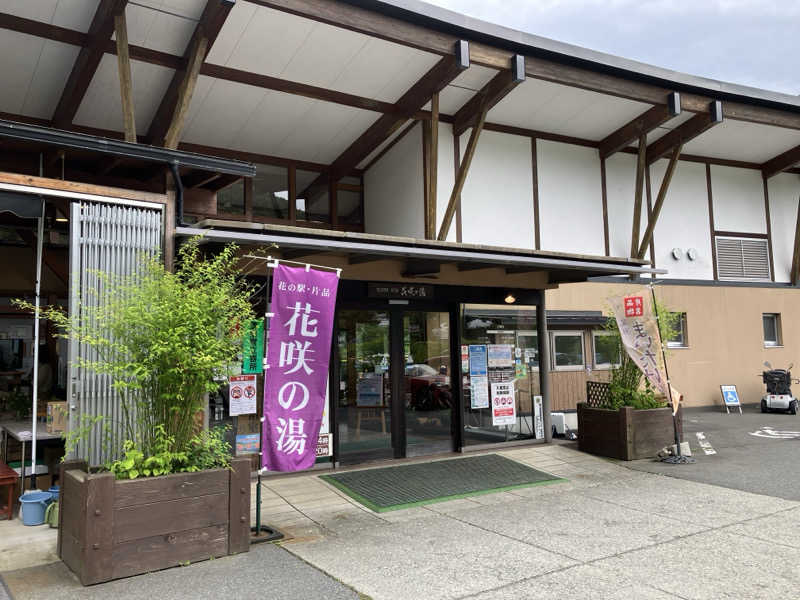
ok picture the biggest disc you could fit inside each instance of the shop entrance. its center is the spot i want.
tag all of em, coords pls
(395, 397)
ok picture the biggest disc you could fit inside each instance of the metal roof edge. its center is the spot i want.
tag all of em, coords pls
(435, 17)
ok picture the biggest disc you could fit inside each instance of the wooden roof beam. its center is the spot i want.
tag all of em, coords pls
(686, 132)
(782, 162)
(87, 62)
(168, 120)
(494, 91)
(125, 80)
(644, 123)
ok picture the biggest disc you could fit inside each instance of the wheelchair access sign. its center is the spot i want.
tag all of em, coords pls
(730, 397)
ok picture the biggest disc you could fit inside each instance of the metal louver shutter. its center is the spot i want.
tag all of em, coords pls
(743, 258)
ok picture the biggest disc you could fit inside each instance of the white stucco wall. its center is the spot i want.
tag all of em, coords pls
(620, 191)
(683, 222)
(446, 178)
(497, 200)
(570, 198)
(738, 200)
(784, 190)
(394, 203)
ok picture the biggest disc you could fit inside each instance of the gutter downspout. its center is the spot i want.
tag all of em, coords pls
(176, 176)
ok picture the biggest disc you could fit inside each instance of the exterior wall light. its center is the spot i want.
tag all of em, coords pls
(510, 299)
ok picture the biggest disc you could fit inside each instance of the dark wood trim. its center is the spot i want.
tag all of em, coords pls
(87, 62)
(637, 193)
(456, 163)
(535, 180)
(489, 95)
(333, 204)
(461, 175)
(292, 174)
(604, 192)
(741, 234)
(542, 135)
(782, 162)
(167, 117)
(257, 158)
(348, 187)
(426, 174)
(435, 80)
(648, 185)
(711, 220)
(125, 81)
(389, 146)
(644, 123)
(769, 227)
(652, 220)
(685, 132)
(433, 165)
(198, 179)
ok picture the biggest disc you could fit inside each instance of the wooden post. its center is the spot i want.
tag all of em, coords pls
(67, 465)
(185, 93)
(125, 81)
(239, 506)
(426, 174)
(433, 167)
(795, 275)
(461, 176)
(626, 432)
(637, 200)
(662, 194)
(98, 551)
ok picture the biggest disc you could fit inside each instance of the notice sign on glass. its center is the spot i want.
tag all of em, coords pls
(479, 392)
(504, 407)
(242, 395)
(501, 356)
(477, 360)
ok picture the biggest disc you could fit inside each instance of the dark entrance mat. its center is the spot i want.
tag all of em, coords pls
(392, 488)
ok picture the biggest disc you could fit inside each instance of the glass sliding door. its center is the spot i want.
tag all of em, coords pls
(364, 419)
(427, 393)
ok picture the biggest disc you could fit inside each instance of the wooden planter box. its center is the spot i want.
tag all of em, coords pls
(110, 529)
(626, 434)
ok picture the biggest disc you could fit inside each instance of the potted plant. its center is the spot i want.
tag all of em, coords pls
(624, 418)
(167, 492)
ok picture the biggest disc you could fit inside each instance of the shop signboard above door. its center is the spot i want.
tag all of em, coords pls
(400, 291)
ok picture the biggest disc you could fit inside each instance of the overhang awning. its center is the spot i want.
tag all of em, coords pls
(360, 247)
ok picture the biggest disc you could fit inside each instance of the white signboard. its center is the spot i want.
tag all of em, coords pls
(504, 406)
(242, 395)
(500, 356)
(730, 397)
(479, 392)
(538, 421)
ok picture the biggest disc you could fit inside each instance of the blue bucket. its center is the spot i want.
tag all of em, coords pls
(53, 493)
(33, 506)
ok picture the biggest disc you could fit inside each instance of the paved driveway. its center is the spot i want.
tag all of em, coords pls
(754, 452)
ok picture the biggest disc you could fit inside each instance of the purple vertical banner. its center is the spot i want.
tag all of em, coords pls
(298, 353)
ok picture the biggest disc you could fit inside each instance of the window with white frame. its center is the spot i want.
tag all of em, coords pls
(680, 339)
(772, 329)
(568, 351)
(605, 346)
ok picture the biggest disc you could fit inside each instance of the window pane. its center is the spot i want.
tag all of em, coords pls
(606, 350)
(231, 199)
(679, 339)
(770, 329)
(348, 207)
(271, 192)
(568, 350)
(312, 203)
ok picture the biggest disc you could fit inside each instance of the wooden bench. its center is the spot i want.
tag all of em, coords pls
(8, 478)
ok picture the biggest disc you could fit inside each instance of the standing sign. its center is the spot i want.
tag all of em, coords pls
(303, 303)
(478, 377)
(253, 347)
(730, 397)
(242, 395)
(538, 421)
(638, 329)
(504, 406)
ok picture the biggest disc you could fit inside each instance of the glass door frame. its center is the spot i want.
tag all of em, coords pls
(397, 310)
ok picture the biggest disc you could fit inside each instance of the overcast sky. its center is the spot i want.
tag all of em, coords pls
(750, 42)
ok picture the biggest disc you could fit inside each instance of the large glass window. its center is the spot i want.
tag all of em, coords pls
(230, 200)
(271, 192)
(500, 351)
(606, 349)
(313, 201)
(348, 207)
(568, 351)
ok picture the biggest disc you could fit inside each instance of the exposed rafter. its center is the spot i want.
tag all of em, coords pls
(494, 91)
(644, 123)
(125, 80)
(88, 60)
(782, 162)
(662, 194)
(170, 113)
(686, 132)
(637, 198)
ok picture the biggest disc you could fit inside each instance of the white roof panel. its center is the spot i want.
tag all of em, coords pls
(20, 56)
(740, 140)
(47, 84)
(157, 30)
(72, 14)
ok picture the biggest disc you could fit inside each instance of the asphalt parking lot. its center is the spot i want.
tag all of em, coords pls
(753, 452)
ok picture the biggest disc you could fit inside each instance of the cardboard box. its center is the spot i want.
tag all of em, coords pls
(56, 417)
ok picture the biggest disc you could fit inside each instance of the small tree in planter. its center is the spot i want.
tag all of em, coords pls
(168, 488)
(629, 421)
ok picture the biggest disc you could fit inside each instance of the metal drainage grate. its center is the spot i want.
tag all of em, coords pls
(392, 488)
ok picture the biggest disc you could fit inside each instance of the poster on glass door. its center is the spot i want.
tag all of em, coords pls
(504, 406)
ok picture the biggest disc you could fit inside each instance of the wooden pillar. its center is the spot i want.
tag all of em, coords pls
(637, 200)
(185, 93)
(433, 166)
(125, 81)
(662, 193)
